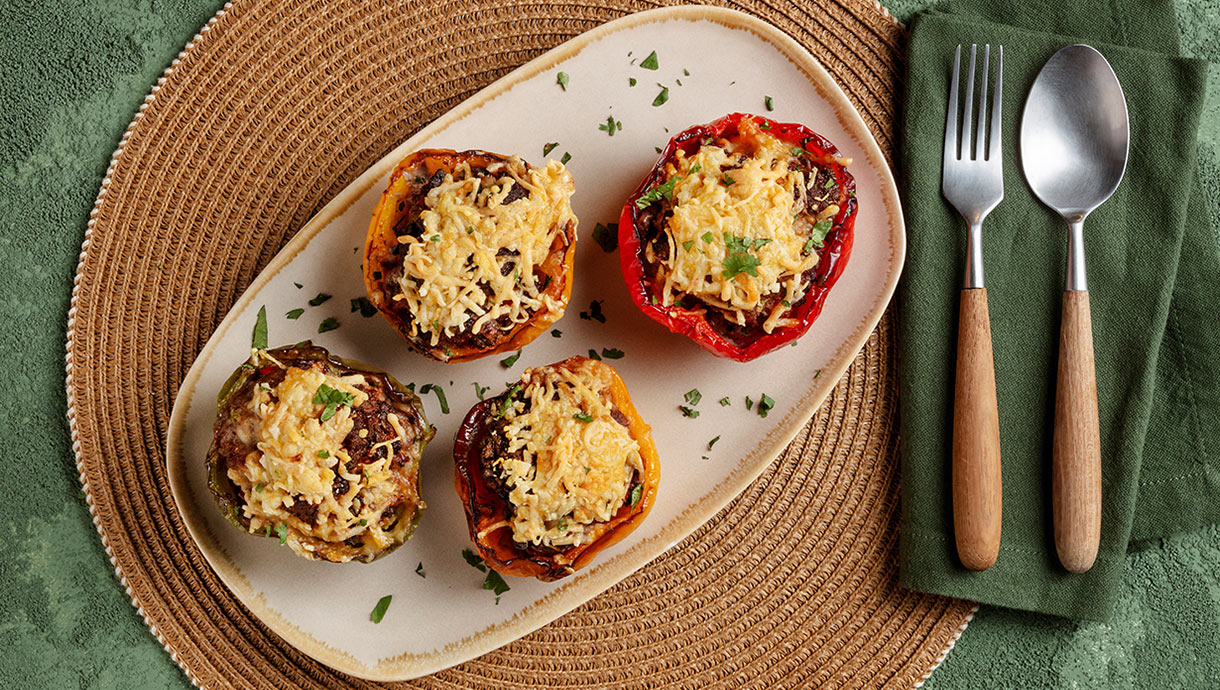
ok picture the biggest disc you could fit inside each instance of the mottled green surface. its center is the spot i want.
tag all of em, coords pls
(71, 82)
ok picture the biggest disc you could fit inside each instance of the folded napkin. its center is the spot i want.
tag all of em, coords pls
(1154, 278)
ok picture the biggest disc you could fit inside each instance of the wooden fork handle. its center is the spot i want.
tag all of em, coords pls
(976, 438)
(1076, 461)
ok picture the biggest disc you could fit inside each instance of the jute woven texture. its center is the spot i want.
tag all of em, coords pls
(269, 113)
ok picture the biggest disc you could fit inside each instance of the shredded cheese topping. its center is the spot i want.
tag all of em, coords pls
(737, 234)
(571, 473)
(297, 457)
(454, 277)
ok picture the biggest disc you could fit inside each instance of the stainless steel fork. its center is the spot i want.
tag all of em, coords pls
(973, 181)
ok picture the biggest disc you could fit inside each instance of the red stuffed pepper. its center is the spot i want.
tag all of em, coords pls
(738, 233)
(555, 470)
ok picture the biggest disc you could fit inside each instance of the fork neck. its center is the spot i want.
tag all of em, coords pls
(974, 257)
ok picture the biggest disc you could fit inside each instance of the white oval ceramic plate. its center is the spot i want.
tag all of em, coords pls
(440, 615)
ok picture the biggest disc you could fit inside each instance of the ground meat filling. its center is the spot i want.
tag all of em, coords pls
(652, 222)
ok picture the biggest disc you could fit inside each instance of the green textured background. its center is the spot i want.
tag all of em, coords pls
(72, 77)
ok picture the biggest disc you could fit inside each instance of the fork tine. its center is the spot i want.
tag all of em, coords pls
(951, 118)
(967, 134)
(980, 136)
(997, 100)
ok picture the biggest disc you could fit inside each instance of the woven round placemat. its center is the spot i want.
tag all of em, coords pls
(269, 112)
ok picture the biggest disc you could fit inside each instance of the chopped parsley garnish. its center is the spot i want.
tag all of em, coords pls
(562, 525)
(330, 399)
(469, 229)
(830, 182)
(282, 530)
(419, 569)
(817, 236)
(767, 101)
(736, 264)
(299, 286)
(258, 339)
(679, 82)
(258, 488)
(329, 324)
(510, 360)
(796, 151)
(593, 355)
(727, 180)
(688, 412)
(661, 97)
(693, 396)
(566, 157)
(725, 402)
(708, 237)
(480, 390)
(631, 81)
(765, 405)
(650, 62)
(322, 297)
(294, 314)
(547, 148)
(583, 417)
(323, 454)
(688, 244)
(635, 495)
(685, 72)
(749, 403)
(612, 353)
(606, 236)
(440, 395)
(266, 530)
(817, 373)
(610, 126)
(657, 148)
(434, 238)
(364, 306)
(363, 522)
(473, 560)
(508, 401)
(712, 442)
(665, 190)
(594, 313)
(380, 609)
(763, 124)
(495, 583)
(562, 80)
(556, 333)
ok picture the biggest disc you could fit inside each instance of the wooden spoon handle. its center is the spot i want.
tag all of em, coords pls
(1076, 465)
(976, 438)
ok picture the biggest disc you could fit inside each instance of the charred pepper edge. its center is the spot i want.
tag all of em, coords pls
(381, 236)
(833, 256)
(483, 506)
(226, 492)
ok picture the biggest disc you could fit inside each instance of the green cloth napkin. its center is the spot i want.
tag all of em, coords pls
(1154, 278)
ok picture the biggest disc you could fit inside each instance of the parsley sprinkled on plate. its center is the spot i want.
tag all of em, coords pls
(440, 395)
(611, 125)
(566, 157)
(749, 403)
(379, 610)
(712, 442)
(294, 314)
(547, 148)
(725, 402)
(688, 412)
(693, 396)
(650, 62)
(631, 81)
(474, 560)
(322, 297)
(556, 333)
(612, 353)
(593, 355)
(767, 101)
(299, 286)
(661, 97)
(258, 338)
(479, 390)
(329, 324)
(510, 360)
(765, 405)
(364, 306)
(419, 569)
(562, 80)
(606, 236)
(496, 584)
(594, 313)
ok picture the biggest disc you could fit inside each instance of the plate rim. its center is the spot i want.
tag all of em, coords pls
(609, 572)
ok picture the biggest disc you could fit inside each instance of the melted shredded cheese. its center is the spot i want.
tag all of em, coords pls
(452, 273)
(296, 456)
(570, 474)
(744, 191)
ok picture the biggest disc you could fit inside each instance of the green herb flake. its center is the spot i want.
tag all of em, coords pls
(258, 488)
(295, 314)
(380, 609)
(688, 412)
(330, 399)
(612, 353)
(736, 264)
(685, 72)
(562, 525)
(817, 373)
(507, 401)
(610, 126)
(299, 286)
(767, 101)
(258, 339)
(606, 236)
(635, 494)
(364, 306)
(474, 560)
(419, 569)
(725, 402)
(562, 80)
(556, 333)
(650, 62)
(594, 313)
(547, 148)
(631, 81)
(796, 151)
(687, 245)
(496, 584)
(829, 183)
(749, 403)
(566, 157)
(282, 530)
(363, 522)
(693, 396)
(266, 529)
(440, 395)
(322, 297)
(510, 360)
(593, 355)
(765, 405)
(469, 229)
(727, 180)
(708, 237)
(661, 97)
(323, 454)
(712, 442)
(329, 324)
(763, 124)
(479, 390)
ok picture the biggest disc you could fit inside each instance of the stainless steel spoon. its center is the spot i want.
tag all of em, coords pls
(1074, 140)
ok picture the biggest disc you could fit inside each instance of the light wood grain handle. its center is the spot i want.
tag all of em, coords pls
(976, 438)
(1076, 465)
